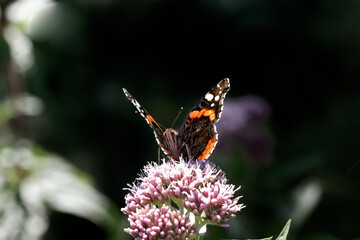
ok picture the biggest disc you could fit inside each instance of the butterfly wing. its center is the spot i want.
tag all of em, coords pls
(158, 132)
(198, 131)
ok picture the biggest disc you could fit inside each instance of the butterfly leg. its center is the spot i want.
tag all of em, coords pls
(187, 151)
(159, 155)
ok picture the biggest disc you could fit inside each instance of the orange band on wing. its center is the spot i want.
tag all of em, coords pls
(151, 120)
(203, 112)
(208, 149)
(192, 115)
(211, 114)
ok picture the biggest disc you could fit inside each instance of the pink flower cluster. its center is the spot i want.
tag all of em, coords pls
(199, 190)
(213, 202)
(152, 222)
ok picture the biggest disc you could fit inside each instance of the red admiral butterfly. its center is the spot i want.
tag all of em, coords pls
(197, 136)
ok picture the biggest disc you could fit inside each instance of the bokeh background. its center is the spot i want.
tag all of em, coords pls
(294, 68)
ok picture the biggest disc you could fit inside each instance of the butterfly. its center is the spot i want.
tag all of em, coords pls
(197, 136)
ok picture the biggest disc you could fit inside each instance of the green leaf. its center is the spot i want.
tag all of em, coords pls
(285, 231)
(283, 234)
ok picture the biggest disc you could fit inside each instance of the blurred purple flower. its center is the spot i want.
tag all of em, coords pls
(198, 189)
(243, 120)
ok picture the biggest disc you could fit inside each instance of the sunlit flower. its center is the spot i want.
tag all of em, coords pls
(151, 222)
(198, 189)
(243, 120)
(213, 203)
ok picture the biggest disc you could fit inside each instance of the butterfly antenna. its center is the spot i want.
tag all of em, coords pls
(177, 116)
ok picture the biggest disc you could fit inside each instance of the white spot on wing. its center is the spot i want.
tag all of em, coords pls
(209, 96)
(217, 98)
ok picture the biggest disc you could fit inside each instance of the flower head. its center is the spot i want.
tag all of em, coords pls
(213, 203)
(151, 222)
(198, 189)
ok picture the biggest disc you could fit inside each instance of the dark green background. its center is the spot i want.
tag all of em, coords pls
(302, 57)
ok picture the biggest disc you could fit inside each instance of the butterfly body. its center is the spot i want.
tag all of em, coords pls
(197, 136)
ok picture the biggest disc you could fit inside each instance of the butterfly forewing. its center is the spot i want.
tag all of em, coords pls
(158, 132)
(209, 108)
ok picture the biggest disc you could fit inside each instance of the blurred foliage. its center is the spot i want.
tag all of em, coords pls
(34, 182)
(302, 57)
